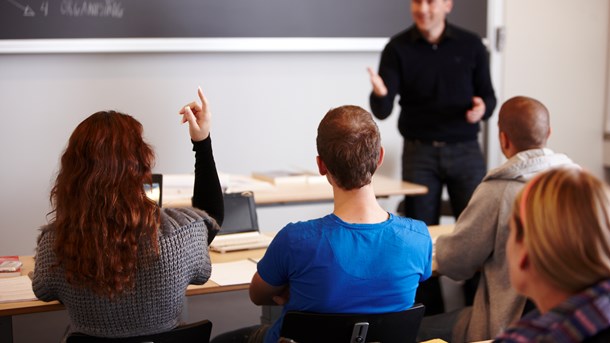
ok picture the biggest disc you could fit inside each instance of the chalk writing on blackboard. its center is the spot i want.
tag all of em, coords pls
(107, 8)
(72, 8)
(27, 10)
(40, 25)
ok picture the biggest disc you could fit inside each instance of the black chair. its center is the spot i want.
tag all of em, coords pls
(396, 327)
(192, 333)
(600, 337)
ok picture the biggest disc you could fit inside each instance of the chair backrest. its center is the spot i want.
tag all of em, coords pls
(399, 327)
(600, 337)
(192, 333)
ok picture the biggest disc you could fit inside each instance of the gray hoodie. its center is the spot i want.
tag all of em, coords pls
(478, 243)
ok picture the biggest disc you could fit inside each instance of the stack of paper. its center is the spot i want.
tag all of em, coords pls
(17, 288)
(289, 177)
(233, 273)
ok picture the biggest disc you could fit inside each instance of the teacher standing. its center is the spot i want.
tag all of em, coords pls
(441, 73)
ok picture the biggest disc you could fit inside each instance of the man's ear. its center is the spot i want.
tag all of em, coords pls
(321, 166)
(504, 141)
(381, 155)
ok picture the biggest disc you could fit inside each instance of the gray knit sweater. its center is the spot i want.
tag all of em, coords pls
(156, 302)
(478, 243)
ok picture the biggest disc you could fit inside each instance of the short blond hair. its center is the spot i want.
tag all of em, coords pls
(563, 217)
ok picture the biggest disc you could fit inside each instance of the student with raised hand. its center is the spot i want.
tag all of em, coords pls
(359, 258)
(558, 254)
(477, 243)
(118, 262)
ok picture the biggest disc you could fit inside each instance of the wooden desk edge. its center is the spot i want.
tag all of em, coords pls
(27, 307)
(38, 306)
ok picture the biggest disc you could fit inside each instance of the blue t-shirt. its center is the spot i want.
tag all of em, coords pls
(337, 267)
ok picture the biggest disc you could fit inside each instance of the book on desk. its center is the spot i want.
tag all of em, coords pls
(10, 266)
(289, 177)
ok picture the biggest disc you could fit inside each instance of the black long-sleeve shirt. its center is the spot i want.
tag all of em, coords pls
(207, 193)
(436, 83)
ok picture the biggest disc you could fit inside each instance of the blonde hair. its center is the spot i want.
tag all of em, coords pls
(563, 217)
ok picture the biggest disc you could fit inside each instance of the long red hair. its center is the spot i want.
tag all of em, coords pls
(102, 216)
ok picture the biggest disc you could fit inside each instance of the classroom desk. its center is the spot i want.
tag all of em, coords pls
(7, 310)
(298, 193)
(25, 307)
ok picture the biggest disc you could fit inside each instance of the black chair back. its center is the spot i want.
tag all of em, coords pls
(192, 333)
(600, 337)
(396, 327)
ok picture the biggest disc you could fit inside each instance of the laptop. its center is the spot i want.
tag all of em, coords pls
(154, 191)
(239, 229)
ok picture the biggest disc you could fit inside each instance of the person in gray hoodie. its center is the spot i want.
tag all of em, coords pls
(479, 238)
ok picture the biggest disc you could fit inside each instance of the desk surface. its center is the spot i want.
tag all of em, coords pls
(24, 307)
(299, 193)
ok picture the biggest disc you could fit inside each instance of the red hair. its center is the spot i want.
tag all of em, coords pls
(102, 216)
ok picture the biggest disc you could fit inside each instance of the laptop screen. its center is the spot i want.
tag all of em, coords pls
(154, 191)
(240, 213)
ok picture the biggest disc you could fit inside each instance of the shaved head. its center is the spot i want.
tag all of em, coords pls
(526, 122)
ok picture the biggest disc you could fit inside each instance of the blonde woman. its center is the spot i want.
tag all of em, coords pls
(558, 253)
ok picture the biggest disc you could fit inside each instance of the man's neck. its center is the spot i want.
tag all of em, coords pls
(358, 206)
(433, 36)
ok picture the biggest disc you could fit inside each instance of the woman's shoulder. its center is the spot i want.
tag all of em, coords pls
(180, 218)
(46, 235)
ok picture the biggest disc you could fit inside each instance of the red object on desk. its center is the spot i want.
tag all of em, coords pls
(10, 266)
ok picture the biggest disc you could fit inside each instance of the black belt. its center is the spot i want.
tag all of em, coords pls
(433, 143)
(436, 144)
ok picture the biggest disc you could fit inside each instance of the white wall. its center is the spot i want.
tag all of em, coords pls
(557, 52)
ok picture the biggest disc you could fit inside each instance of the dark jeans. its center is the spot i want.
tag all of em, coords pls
(460, 167)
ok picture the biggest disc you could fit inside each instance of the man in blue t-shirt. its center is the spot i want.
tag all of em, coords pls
(359, 258)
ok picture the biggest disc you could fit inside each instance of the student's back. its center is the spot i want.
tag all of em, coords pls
(359, 258)
(118, 262)
(155, 302)
(337, 267)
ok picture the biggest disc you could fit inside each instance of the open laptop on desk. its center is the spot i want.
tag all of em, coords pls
(239, 229)
(154, 190)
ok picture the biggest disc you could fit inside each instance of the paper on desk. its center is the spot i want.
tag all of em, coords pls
(233, 183)
(233, 273)
(18, 288)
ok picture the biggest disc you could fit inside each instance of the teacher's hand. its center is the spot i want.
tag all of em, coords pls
(477, 111)
(379, 87)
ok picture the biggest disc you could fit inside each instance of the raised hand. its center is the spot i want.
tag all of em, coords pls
(198, 116)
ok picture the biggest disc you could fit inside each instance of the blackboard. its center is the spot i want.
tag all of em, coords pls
(68, 19)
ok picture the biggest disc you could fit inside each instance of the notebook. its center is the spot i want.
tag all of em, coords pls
(239, 229)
